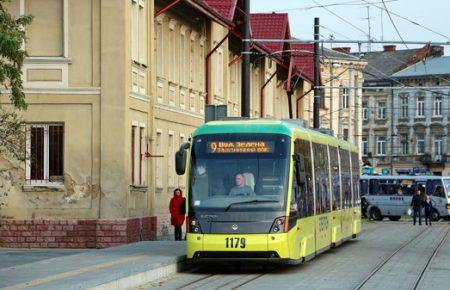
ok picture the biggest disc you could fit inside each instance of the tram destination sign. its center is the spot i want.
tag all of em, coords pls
(220, 147)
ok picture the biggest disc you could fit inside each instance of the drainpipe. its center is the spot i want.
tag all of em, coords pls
(261, 94)
(170, 5)
(208, 56)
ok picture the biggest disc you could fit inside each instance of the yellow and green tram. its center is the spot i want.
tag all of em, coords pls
(268, 190)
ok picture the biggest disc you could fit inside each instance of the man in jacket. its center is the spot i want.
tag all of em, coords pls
(416, 204)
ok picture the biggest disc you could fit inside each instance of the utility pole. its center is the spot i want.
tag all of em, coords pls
(369, 46)
(245, 93)
(316, 121)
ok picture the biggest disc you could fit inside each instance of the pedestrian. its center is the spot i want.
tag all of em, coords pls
(176, 213)
(428, 205)
(416, 204)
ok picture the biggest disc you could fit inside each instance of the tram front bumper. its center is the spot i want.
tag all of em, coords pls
(256, 248)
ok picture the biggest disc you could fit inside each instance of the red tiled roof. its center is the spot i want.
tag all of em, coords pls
(270, 26)
(225, 8)
(303, 59)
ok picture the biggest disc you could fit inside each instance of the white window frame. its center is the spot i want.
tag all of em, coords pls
(345, 97)
(160, 46)
(381, 145)
(45, 180)
(405, 106)
(438, 143)
(365, 111)
(420, 106)
(404, 145)
(418, 141)
(437, 108)
(365, 146)
(381, 110)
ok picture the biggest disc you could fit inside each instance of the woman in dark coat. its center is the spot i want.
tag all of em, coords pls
(428, 205)
(176, 216)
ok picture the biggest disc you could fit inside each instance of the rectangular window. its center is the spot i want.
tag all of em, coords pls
(159, 48)
(420, 143)
(192, 54)
(182, 59)
(404, 144)
(437, 106)
(138, 31)
(365, 145)
(181, 177)
(381, 110)
(345, 134)
(381, 145)
(142, 23)
(158, 169)
(420, 110)
(170, 161)
(306, 197)
(365, 111)
(344, 98)
(404, 106)
(133, 154)
(438, 145)
(171, 44)
(345, 178)
(45, 147)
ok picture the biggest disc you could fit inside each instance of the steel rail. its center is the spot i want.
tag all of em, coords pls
(439, 246)
(384, 262)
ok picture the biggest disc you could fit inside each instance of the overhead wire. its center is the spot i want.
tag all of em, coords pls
(393, 24)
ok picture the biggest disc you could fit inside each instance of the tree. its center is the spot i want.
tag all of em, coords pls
(12, 56)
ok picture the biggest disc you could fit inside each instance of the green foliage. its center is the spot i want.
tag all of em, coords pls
(12, 55)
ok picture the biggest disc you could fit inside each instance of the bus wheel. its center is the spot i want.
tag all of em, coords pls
(394, 218)
(435, 215)
(375, 214)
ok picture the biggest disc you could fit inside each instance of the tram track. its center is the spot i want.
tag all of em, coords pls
(430, 260)
(385, 261)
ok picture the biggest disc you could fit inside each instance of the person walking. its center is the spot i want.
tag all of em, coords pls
(176, 215)
(416, 204)
(428, 205)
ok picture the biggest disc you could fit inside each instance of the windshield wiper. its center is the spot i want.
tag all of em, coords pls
(249, 201)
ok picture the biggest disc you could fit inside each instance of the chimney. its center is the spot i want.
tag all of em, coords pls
(343, 49)
(390, 48)
(436, 50)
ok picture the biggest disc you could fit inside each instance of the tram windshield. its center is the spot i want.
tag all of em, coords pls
(239, 172)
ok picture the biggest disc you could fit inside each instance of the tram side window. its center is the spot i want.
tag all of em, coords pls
(305, 198)
(322, 177)
(355, 180)
(335, 180)
(345, 178)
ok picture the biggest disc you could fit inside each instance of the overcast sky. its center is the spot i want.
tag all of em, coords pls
(433, 14)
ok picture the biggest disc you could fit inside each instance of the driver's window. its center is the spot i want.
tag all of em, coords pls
(439, 191)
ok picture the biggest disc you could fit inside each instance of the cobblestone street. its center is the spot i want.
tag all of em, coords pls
(387, 255)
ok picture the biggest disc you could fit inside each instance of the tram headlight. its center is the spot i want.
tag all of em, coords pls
(278, 225)
(194, 226)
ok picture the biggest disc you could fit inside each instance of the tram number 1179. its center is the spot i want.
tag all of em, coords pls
(235, 243)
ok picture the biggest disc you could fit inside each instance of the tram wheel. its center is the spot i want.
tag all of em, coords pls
(394, 218)
(435, 216)
(375, 214)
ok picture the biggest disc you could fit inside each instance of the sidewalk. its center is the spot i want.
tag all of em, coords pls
(112, 268)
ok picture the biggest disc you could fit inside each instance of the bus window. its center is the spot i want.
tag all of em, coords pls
(439, 191)
(373, 186)
(364, 186)
(406, 187)
(432, 185)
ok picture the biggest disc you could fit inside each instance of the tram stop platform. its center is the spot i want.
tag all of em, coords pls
(119, 267)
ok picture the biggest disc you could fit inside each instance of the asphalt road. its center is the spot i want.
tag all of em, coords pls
(387, 255)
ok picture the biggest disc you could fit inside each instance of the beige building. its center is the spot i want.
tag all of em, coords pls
(113, 89)
(341, 97)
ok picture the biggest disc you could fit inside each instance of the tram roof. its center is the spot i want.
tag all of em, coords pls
(271, 126)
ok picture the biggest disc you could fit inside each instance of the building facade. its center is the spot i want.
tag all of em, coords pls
(406, 129)
(113, 88)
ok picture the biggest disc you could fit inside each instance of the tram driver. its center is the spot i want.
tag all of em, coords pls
(241, 188)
